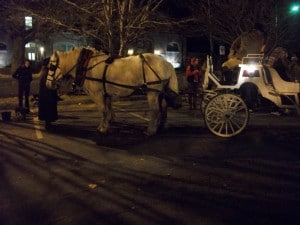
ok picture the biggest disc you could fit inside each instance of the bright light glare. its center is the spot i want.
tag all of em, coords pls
(157, 52)
(130, 51)
(42, 50)
(250, 68)
(175, 64)
(171, 60)
(295, 8)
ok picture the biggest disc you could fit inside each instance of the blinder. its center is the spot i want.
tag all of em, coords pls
(54, 64)
(52, 67)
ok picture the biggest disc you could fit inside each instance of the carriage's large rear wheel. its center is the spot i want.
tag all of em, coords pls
(226, 115)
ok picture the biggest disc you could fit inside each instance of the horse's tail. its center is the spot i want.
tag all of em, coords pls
(172, 91)
(173, 81)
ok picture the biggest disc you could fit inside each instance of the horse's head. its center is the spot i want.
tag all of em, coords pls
(54, 73)
(68, 63)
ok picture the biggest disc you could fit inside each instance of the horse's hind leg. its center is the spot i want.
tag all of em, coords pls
(110, 112)
(153, 101)
(163, 113)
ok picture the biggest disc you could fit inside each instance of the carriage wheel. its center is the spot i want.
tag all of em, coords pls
(226, 115)
(207, 96)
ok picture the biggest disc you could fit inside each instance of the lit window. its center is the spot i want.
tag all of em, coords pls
(172, 47)
(30, 45)
(31, 56)
(3, 46)
(28, 22)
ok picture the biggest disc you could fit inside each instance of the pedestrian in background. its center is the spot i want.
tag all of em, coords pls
(47, 106)
(193, 74)
(24, 76)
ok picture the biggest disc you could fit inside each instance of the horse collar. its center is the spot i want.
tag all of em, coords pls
(82, 64)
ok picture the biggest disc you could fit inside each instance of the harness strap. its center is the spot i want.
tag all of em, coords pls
(149, 66)
(82, 65)
(105, 81)
(143, 68)
(140, 88)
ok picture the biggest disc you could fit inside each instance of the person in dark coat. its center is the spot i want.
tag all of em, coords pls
(193, 74)
(47, 106)
(24, 76)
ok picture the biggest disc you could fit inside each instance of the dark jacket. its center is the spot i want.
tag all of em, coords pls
(193, 73)
(23, 75)
(47, 99)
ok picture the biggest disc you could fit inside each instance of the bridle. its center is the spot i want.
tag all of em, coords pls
(54, 65)
(52, 68)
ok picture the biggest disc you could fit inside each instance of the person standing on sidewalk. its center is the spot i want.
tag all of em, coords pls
(24, 76)
(193, 75)
(47, 106)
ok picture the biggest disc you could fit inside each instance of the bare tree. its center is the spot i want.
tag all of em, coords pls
(224, 20)
(111, 23)
(14, 25)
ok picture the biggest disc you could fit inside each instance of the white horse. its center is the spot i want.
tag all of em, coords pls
(103, 78)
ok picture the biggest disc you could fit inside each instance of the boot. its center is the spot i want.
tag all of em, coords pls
(195, 102)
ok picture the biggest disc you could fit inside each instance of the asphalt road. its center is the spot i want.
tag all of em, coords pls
(183, 176)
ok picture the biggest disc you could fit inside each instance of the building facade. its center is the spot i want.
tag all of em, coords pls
(170, 46)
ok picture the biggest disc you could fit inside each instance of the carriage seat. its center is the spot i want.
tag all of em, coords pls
(267, 75)
(271, 77)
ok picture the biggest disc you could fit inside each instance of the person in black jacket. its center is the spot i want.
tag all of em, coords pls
(47, 106)
(24, 76)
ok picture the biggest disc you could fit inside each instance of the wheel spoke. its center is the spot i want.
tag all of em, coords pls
(226, 115)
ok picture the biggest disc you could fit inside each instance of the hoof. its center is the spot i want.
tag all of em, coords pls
(149, 133)
(102, 131)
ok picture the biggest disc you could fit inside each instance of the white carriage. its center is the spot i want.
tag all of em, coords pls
(226, 113)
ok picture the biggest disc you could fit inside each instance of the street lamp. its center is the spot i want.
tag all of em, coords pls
(295, 8)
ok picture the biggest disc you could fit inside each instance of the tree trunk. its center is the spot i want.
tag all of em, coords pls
(18, 49)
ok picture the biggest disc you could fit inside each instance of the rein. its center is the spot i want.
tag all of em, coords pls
(82, 68)
(140, 88)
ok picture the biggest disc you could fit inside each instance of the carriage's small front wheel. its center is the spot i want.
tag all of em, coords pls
(207, 96)
(226, 115)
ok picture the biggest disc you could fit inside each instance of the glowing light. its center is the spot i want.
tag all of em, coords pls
(251, 68)
(42, 50)
(130, 51)
(294, 9)
(157, 52)
(28, 22)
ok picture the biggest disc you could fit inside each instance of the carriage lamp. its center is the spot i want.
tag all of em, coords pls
(247, 73)
(250, 71)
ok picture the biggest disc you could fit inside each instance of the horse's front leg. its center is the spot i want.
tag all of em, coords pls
(100, 101)
(153, 101)
(110, 112)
